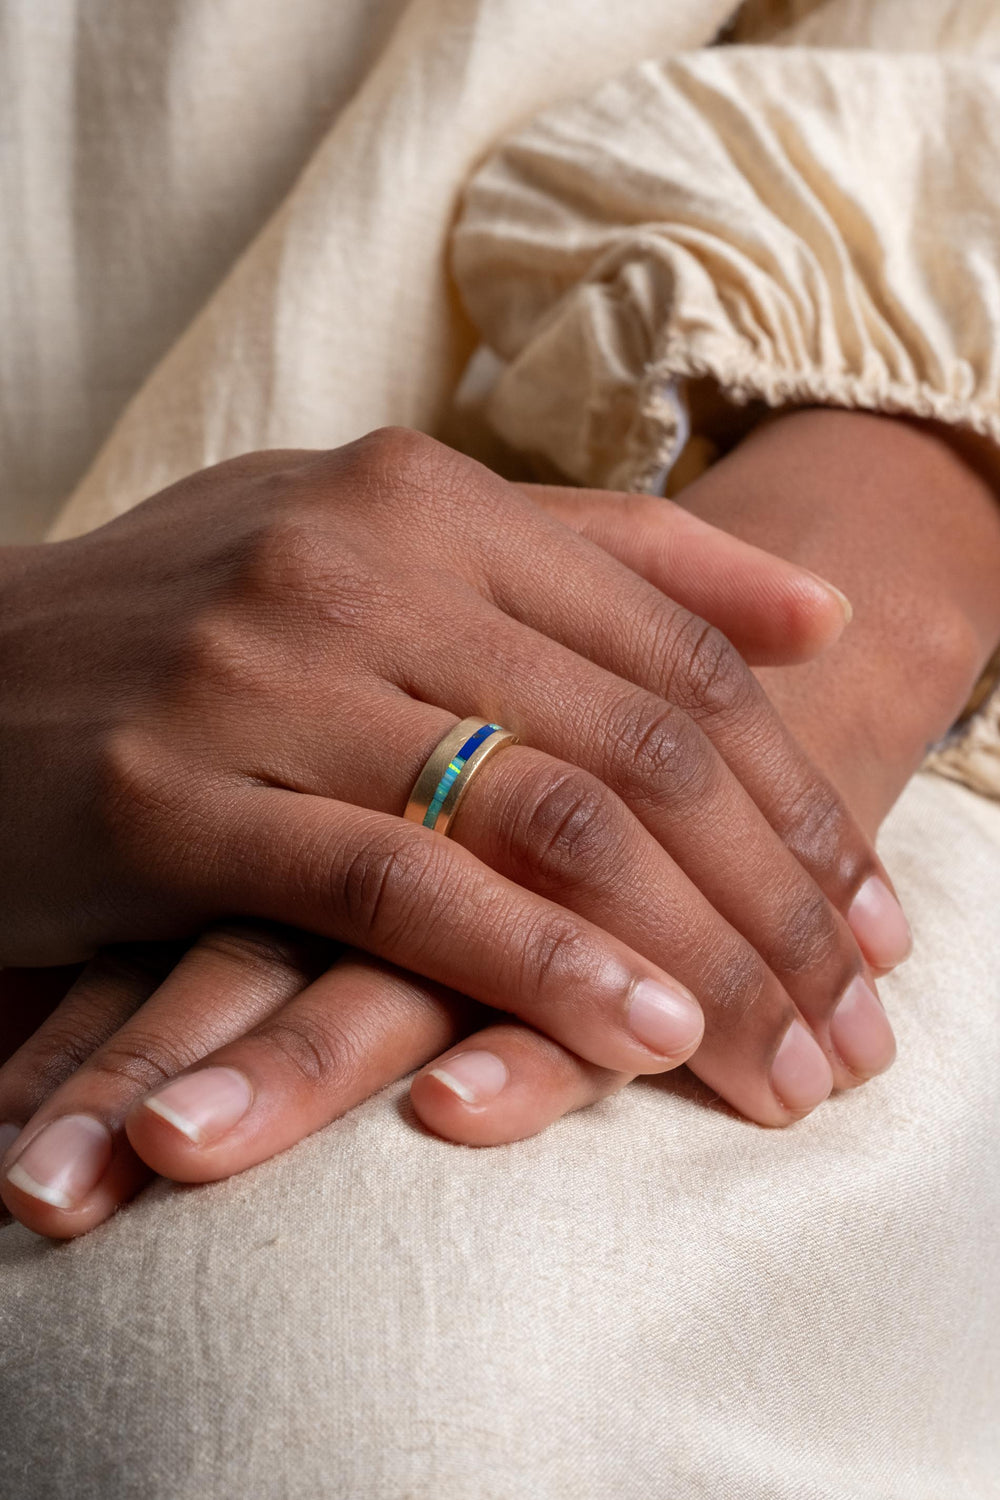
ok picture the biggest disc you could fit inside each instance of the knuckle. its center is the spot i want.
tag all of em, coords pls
(659, 753)
(41, 1067)
(385, 883)
(708, 675)
(133, 789)
(149, 812)
(741, 988)
(312, 1053)
(218, 656)
(398, 448)
(810, 938)
(400, 470)
(821, 835)
(566, 827)
(140, 1060)
(554, 956)
(255, 950)
(288, 556)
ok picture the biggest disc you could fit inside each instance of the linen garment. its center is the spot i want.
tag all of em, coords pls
(789, 224)
(228, 227)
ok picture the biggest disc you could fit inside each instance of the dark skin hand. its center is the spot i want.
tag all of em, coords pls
(904, 519)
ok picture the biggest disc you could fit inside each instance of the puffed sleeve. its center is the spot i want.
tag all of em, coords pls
(791, 224)
(780, 225)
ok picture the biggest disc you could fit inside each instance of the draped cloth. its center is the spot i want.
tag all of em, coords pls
(231, 225)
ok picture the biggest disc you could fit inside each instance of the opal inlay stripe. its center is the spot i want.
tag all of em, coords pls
(450, 776)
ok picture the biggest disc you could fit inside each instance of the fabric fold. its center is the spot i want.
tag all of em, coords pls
(795, 225)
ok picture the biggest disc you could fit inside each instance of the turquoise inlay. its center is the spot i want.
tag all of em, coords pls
(450, 776)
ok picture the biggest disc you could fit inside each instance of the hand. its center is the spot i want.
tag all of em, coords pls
(175, 1027)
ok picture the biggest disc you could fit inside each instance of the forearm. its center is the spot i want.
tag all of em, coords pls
(904, 518)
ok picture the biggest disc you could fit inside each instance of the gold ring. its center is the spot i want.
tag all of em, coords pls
(450, 767)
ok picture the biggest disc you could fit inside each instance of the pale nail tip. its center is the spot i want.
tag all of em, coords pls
(831, 588)
(186, 1127)
(845, 604)
(21, 1179)
(464, 1093)
(871, 1069)
(803, 1108)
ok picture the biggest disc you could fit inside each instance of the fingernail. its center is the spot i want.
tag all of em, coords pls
(8, 1135)
(877, 921)
(860, 1030)
(476, 1077)
(64, 1161)
(666, 1019)
(800, 1074)
(203, 1105)
(841, 598)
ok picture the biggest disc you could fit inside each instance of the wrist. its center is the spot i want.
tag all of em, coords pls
(904, 518)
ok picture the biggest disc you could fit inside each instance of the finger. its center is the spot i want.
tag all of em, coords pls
(668, 773)
(565, 589)
(505, 1083)
(356, 1029)
(71, 1165)
(607, 616)
(421, 901)
(102, 996)
(758, 941)
(774, 612)
(557, 830)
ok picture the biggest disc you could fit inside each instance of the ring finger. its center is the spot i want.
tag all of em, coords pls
(555, 829)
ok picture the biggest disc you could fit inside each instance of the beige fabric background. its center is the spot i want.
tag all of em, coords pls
(258, 196)
(230, 230)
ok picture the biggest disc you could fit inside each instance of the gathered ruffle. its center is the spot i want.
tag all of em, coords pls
(795, 226)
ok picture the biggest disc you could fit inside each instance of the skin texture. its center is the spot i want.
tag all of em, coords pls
(359, 1024)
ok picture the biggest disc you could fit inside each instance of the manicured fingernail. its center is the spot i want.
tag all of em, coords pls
(666, 1019)
(476, 1077)
(203, 1105)
(877, 921)
(860, 1031)
(64, 1161)
(800, 1074)
(8, 1135)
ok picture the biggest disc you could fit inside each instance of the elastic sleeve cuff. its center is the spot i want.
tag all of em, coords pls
(792, 225)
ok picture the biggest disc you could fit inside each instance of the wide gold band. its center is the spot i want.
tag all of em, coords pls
(444, 780)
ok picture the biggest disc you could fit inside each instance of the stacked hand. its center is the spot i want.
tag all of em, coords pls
(219, 704)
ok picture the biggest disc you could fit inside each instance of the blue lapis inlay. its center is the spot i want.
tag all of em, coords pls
(447, 781)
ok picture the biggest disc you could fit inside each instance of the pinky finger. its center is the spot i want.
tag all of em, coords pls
(505, 1083)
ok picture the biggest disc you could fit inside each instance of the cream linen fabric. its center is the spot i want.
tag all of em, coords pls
(651, 1301)
(789, 223)
(260, 193)
(141, 150)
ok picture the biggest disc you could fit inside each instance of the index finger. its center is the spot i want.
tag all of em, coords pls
(607, 615)
(775, 612)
